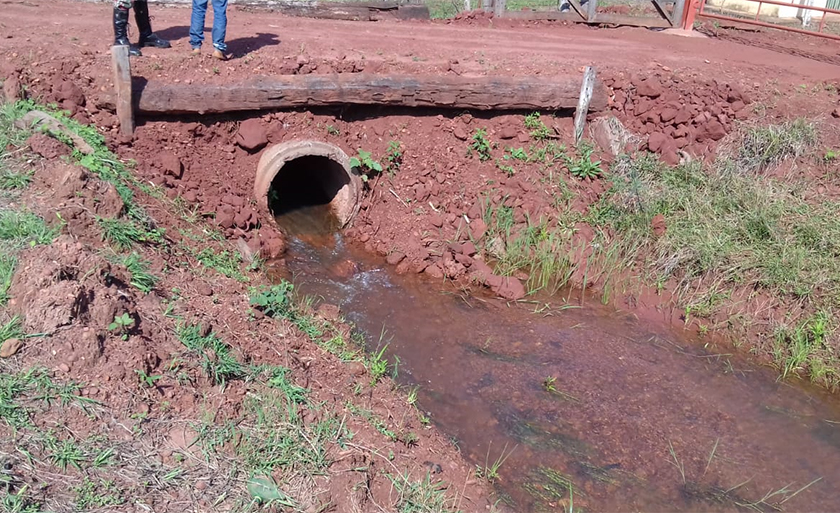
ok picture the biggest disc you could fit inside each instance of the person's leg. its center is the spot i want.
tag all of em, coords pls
(144, 25)
(121, 8)
(219, 26)
(199, 12)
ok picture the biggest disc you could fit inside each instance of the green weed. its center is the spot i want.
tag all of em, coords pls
(274, 301)
(583, 166)
(366, 165)
(12, 329)
(92, 495)
(422, 496)
(124, 233)
(378, 365)
(8, 263)
(804, 349)
(145, 379)
(21, 228)
(539, 131)
(141, 277)
(216, 358)
(223, 261)
(19, 502)
(12, 180)
(394, 157)
(122, 325)
(490, 470)
(65, 453)
(480, 145)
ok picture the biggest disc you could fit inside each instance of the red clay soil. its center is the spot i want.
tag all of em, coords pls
(681, 102)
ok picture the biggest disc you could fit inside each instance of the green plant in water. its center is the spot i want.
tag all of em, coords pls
(480, 145)
(122, 324)
(366, 165)
(490, 471)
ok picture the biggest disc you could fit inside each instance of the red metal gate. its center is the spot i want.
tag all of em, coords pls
(703, 11)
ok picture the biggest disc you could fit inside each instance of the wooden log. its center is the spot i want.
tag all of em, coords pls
(122, 84)
(480, 93)
(354, 11)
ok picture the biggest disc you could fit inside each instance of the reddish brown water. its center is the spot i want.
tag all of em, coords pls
(624, 394)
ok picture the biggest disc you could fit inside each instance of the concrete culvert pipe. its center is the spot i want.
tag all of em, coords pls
(298, 174)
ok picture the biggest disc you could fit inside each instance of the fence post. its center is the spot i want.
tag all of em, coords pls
(586, 90)
(122, 84)
(499, 7)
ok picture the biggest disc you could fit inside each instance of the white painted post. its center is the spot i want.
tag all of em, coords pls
(586, 90)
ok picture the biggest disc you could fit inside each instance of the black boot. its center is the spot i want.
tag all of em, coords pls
(144, 23)
(121, 32)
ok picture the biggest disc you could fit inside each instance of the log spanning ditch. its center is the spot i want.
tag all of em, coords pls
(295, 91)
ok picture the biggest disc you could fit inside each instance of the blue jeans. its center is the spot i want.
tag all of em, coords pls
(199, 11)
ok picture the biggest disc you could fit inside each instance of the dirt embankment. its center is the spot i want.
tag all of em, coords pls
(146, 365)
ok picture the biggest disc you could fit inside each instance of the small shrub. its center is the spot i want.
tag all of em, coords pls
(480, 145)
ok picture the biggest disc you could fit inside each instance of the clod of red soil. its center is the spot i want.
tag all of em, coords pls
(460, 133)
(650, 87)
(657, 224)
(508, 132)
(478, 228)
(10, 347)
(395, 258)
(656, 140)
(507, 287)
(70, 92)
(171, 165)
(225, 217)
(836, 112)
(47, 147)
(12, 89)
(252, 135)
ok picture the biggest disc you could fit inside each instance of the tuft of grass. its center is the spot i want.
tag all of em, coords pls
(141, 277)
(490, 471)
(534, 246)
(14, 180)
(12, 329)
(91, 495)
(19, 228)
(216, 358)
(19, 501)
(804, 349)
(551, 487)
(124, 233)
(8, 263)
(422, 496)
(224, 261)
(34, 384)
(765, 146)
(583, 167)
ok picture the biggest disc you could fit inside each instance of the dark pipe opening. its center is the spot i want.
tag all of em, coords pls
(301, 193)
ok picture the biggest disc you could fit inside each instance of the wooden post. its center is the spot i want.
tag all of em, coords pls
(591, 12)
(122, 84)
(583, 103)
(499, 7)
(487, 5)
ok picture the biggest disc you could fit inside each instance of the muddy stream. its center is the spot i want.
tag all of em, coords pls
(636, 417)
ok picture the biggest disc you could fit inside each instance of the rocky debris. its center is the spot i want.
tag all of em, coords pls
(836, 112)
(10, 347)
(252, 135)
(13, 89)
(47, 147)
(677, 115)
(171, 165)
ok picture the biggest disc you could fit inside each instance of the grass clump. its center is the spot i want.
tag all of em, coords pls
(124, 233)
(216, 359)
(8, 263)
(737, 230)
(139, 268)
(14, 180)
(537, 248)
(19, 390)
(424, 496)
(765, 146)
(19, 228)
